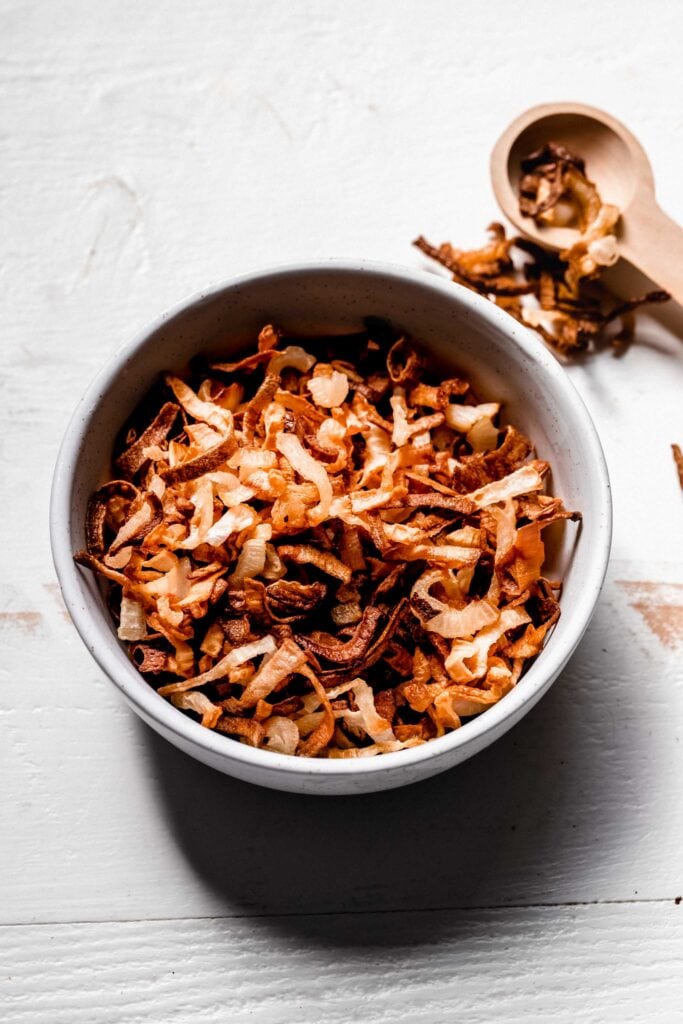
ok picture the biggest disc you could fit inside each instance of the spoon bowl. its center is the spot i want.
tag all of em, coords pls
(619, 166)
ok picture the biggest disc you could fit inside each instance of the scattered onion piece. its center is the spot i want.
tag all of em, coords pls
(329, 392)
(286, 660)
(281, 735)
(238, 656)
(309, 469)
(453, 623)
(201, 705)
(678, 459)
(560, 295)
(132, 624)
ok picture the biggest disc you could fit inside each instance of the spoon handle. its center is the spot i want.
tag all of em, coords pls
(655, 246)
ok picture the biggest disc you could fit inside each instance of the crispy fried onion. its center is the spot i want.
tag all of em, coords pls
(560, 295)
(328, 558)
(678, 460)
(134, 457)
(555, 190)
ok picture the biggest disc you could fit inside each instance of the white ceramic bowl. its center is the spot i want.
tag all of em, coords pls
(461, 331)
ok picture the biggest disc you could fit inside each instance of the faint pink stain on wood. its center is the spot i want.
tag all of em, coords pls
(661, 607)
(56, 594)
(28, 621)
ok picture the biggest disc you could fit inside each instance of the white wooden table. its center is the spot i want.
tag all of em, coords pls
(151, 148)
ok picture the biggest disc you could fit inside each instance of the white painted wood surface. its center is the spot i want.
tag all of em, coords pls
(432, 968)
(149, 149)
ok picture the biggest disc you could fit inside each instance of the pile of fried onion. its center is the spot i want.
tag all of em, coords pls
(321, 550)
(561, 295)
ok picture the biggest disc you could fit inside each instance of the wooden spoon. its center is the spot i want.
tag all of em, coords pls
(618, 165)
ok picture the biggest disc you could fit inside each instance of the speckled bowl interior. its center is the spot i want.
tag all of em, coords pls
(461, 332)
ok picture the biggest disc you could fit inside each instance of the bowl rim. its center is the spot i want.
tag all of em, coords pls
(474, 733)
